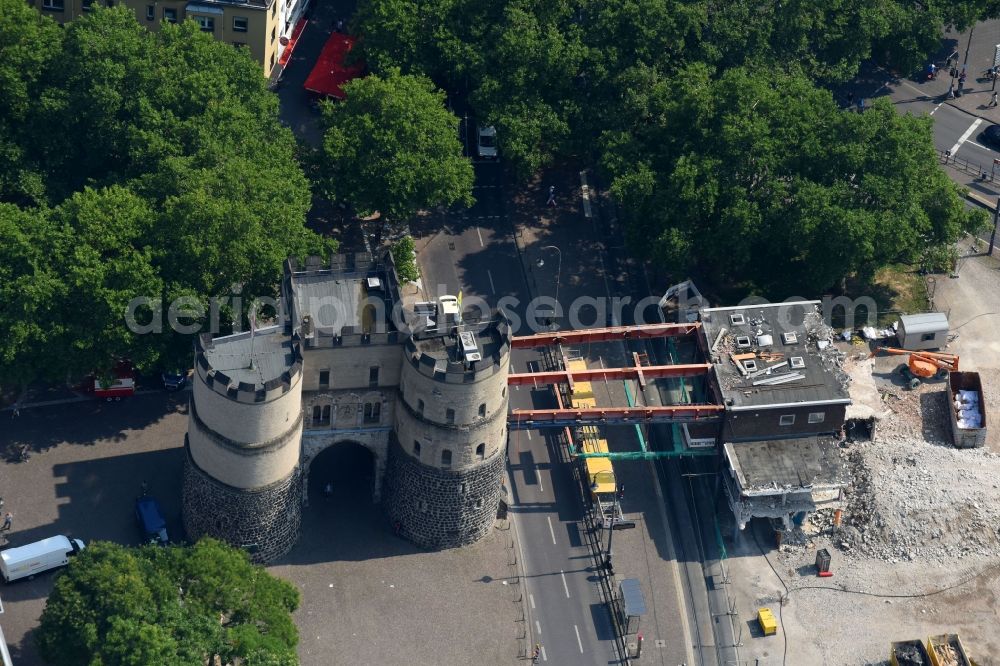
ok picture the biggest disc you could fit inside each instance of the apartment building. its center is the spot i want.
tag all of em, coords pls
(262, 26)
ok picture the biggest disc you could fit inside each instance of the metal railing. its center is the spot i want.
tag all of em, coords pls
(989, 173)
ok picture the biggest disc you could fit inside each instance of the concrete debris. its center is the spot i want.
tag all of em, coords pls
(913, 497)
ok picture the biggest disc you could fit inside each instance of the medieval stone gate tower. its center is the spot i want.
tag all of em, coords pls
(447, 459)
(241, 474)
(428, 398)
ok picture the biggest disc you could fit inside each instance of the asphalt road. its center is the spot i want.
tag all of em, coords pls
(472, 251)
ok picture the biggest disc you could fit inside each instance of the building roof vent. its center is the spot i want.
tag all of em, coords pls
(750, 365)
(764, 340)
(743, 341)
(737, 319)
(470, 350)
(796, 362)
(789, 338)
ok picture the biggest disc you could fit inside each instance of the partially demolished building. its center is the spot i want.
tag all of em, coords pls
(776, 370)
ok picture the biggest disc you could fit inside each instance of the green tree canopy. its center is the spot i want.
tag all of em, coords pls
(392, 146)
(553, 74)
(171, 606)
(141, 164)
(777, 187)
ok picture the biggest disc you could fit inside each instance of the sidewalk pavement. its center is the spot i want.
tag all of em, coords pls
(975, 50)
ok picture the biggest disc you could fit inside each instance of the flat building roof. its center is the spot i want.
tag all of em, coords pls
(794, 360)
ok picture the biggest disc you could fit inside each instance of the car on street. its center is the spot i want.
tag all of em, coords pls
(174, 379)
(991, 137)
(486, 142)
(149, 518)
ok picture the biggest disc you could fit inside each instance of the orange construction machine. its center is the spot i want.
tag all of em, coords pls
(923, 364)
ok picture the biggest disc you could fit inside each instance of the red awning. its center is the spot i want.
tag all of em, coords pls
(331, 70)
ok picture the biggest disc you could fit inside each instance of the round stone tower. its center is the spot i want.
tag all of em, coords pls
(241, 474)
(446, 463)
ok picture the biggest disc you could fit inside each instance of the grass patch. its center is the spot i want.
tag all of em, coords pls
(896, 289)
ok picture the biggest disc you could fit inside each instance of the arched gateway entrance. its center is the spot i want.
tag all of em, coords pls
(344, 473)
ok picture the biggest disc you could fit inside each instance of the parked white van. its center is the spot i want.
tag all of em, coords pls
(34, 558)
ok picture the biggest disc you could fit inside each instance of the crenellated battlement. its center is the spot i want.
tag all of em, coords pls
(440, 357)
(274, 362)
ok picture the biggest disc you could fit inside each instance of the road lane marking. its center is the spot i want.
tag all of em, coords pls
(529, 434)
(968, 133)
(935, 108)
(490, 276)
(538, 628)
(541, 488)
(553, 533)
(480, 237)
(563, 574)
(979, 145)
(579, 643)
(544, 656)
(531, 598)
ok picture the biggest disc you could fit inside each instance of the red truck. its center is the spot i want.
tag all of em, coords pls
(119, 383)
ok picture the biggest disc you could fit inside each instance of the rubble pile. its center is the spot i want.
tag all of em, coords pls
(913, 496)
(920, 414)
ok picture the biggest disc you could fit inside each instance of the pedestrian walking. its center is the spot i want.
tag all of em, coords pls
(7, 520)
(861, 105)
(552, 196)
(536, 653)
(850, 99)
(340, 25)
(993, 101)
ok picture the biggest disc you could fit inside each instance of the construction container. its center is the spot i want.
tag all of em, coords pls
(969, 431)
(766, 620)
(909, 653)
(947, 650)
(928, 330)
(822, 560)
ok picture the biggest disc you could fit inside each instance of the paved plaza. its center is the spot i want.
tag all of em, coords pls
(367, 596)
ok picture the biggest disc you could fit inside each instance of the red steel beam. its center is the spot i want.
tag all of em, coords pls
(541, 418)
(607, 374)
(602, 334)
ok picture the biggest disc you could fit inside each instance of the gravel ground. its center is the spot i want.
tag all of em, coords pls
(919, 551)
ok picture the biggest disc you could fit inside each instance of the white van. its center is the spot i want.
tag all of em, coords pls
(27, 561)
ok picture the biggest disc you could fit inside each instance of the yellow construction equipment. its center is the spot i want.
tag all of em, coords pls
(922, 365)
(766, 620)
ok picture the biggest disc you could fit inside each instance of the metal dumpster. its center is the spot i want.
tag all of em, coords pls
(909, 653)
(947, 650)
(968, 432)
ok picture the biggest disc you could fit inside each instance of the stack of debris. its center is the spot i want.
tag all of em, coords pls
(967, 409)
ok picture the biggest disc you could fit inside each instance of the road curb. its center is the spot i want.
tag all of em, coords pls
(977, 198)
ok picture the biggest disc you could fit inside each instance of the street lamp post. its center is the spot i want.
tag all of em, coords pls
(541, 262)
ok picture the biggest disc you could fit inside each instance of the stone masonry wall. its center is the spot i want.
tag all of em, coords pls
(436, 508)
(265, 521)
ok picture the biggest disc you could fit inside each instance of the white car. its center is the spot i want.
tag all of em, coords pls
(486, 142)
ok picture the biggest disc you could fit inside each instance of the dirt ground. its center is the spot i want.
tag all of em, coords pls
(892, 585)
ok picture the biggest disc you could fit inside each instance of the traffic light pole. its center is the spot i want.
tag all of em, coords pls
(996, 220)
(611, 534)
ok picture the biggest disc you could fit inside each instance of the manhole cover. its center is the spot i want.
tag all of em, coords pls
(451, 246)
(660, 643)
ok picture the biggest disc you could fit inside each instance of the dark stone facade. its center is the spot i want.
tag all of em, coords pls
(437, 508)
(264, 521)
